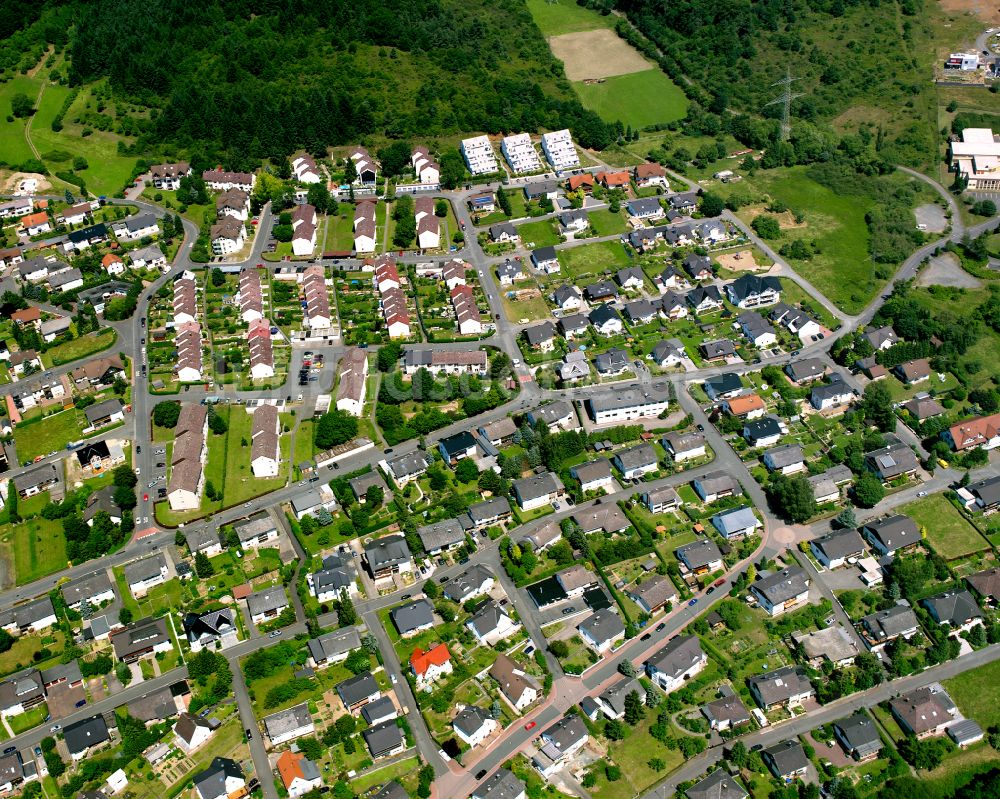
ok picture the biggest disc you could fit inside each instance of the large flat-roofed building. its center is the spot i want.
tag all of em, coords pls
(976, 158)
(627, 405)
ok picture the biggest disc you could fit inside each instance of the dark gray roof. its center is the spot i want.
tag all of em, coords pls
(602, 625)
(408, 465)
(723, 384)
(699, 553)
(614, 697)
(677, 656)
(270, 599)
(894, 532)
(640, 455)
(566, 732)
(839, 544)
(889, 623)
(717, 785)
(487, 618)
(539, 334)
(28, 613)
(83, 734)
(541, 254)
(439, 535)
(391, 790)
(892, 460)
(602, 314)
(539, 485)
(412, 615)
(860, 733)
(953, 607)
(287, 721)
(781, 684)
(145, 568)
(500, 785)
(468, 581)
(383, 737)
(788, 756)
(748, 285)
(211, 783)
(471, 719)
(390, 550)
(718, 482)
(379, 709)
(336, 643)
(806, 369)
(354, 689)
(92, 585)
(785, 455)
(756, 429)
(783, 585)
(987, 490)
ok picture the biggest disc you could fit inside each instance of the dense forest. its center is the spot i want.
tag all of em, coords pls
(241, 80)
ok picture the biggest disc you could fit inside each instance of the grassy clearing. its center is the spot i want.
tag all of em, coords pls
(538, 234)
(842, 270)
(13, 146)
(977, 694)
(51, 434)
(39, 548)
(78, 348)
(640, 99)
(592, 259)
(565, 16)
(606, 223)
(949, 534)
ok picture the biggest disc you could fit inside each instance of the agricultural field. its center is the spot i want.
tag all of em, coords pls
(639, 99)
(565, 16)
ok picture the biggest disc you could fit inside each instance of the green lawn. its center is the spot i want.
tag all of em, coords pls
(82, 347)
(28, 719)
(47, 435)
(977, 694)
(593, 259)
(842, 270)
(565, 16)
(13, 146)
(39, 548)
(240, 484)
(606, 223)
(340, 230)
(107, 171)
(383, 775)
(639, 99)
(949, 534)
(538, 234)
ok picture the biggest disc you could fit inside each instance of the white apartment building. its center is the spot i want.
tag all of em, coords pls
(559, 149)
(520, 153)
(479, 155)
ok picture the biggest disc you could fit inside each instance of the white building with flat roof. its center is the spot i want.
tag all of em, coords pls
(977, 158)
(520, 153)
(479, 155)
(559, 149)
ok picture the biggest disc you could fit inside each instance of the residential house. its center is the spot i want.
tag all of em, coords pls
(559, 414)
(84, 238)
(646, 208)
(573, 221)
(699, 267)
(186, 474)
(365, 166)
(956, 610)
(501, 785)
(520, 153)
(782, 591)
(806, 370)
(786, 459)
(879, 628)
(912, 372)
(475, 581)
(763, 432)
(82, 737)
(136, 227)
(601, 290)
(443, 536)
(745, 406)
(220, 180)
(357, 691)
(753, 291)
(892, 462)
(304, 221)
(653, 593)
(669, 353)
(661, 500)
(724, 386)
(541, 337)
(680, 660)
(34, 481)
(832, 644)
(140, 639)
(923, 408)
(536, 491)
(286, 725)
(704, 299)
(406, 468)
(336, 576)
(467, 317)
(481, 515)
(352, 374)
(364, 227)
(227, 235)
(191, 732)
(859, 736)
(491, 623)
(594, 475)
(267, 604)
(583, 182)
(213, 629)
(474, 725)
(36, 224)
(637, 461)
(651, 175)
(560, 742)
(413, 617)
(795, 320)
(509, 272)
(602, 630)
(892, 534)
(455, 448)
(382, 709)
(222, 779)
(786, 760)
(700, 557)
(426, 169)
(504, 233)
(449, 362)
(146, 573)
(726, 712)
(986, 585)
(234, 203)
(298, 773)
(627, 405)
(614, 180)
(716, 485)
(428, 224)
(924, 712)
(388, 556)
(983, 432)
(430, 666)
(673, 306)
(834, 394)
(835, 549)
(756, 329)
(94, 591)
(576, 580)
(574, 326)
(612, 363)
(785, 687)
(258, 530)
(642, 312)
(685, 201)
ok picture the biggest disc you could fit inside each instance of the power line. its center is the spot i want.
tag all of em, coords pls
(785, 99)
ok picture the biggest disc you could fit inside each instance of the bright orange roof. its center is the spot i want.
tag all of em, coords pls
(742, 405)
(614, 178)
(110, 258)
(420, 661)
(289, 768)
(576, 181)
(34, 219)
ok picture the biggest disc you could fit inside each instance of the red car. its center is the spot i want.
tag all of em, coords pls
(530, 725)
(719, 582)
(145, 497)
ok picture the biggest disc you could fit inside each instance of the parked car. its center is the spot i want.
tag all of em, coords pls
(531, 725)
